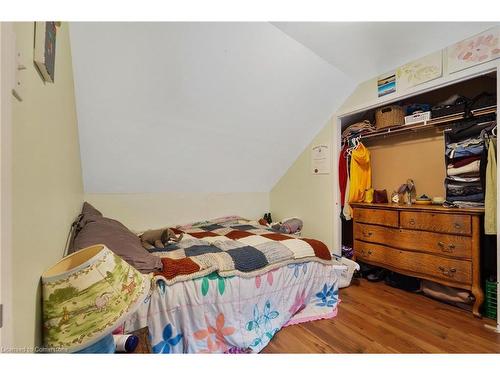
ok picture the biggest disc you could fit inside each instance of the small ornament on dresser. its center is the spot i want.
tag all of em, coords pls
(438, 200)
(423, 199)
(408, 190)
(412, 191)
(395, 197)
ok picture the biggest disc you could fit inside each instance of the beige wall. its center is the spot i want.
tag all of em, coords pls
(310, 197)
(47, 182)
(416, 156)
(153, 210)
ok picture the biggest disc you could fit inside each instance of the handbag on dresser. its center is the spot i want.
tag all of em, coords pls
(380, 196)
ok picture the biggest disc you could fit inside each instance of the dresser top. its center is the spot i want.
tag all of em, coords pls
(419, 207)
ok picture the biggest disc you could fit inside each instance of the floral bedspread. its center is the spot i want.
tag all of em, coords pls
(214, 314)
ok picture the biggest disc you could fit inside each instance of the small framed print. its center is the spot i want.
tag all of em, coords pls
(386, 84)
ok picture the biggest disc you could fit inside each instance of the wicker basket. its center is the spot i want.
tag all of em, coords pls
(392, 115)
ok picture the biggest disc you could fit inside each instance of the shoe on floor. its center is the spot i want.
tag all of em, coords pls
(377, 275)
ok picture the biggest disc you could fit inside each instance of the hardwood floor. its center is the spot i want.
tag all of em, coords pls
(376, 318)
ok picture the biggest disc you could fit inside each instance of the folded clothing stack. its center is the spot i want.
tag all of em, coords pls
(468, 147)
(465, 170)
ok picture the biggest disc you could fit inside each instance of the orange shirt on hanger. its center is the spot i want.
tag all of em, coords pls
(361, 173)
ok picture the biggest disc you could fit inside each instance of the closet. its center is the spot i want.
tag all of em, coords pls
(448, 156)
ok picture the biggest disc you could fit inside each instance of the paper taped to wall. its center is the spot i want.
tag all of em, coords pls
(320, 159)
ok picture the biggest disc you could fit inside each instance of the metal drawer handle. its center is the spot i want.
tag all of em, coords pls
(446, 249)
(367, 234)
(447, 272)
(369, 252)
(412, 221)
(457, 226)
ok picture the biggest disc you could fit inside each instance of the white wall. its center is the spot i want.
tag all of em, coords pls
(156, 210)
(365, 49)
(196, 107)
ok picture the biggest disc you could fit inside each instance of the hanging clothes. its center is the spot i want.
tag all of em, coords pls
(361, 173)
(343, 174)
(490, 201)
(347, 210)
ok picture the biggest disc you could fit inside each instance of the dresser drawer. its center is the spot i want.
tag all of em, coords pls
(435, 267)
(442, 244)
(436, 222)
(382, 217)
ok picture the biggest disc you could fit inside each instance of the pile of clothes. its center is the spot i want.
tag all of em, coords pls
(292, 225)
(358, 129)
(467, 160)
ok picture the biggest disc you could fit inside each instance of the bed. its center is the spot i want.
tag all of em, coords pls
(224, 305)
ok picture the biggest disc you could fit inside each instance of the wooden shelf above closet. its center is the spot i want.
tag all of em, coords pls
(432, 123)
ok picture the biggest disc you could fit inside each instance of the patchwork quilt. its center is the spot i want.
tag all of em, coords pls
(233, 246)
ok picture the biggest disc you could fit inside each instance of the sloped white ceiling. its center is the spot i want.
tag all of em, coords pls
(364, 50)
(223, 107)
(196, 107)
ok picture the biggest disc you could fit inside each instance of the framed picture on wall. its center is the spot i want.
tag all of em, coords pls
(45, 49)
(386, 84)
(419, 71)
(473, 51)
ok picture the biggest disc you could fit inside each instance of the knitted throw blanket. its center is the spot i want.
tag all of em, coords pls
(234, 247)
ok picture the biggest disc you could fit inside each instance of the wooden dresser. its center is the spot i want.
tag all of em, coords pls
(429, 242)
